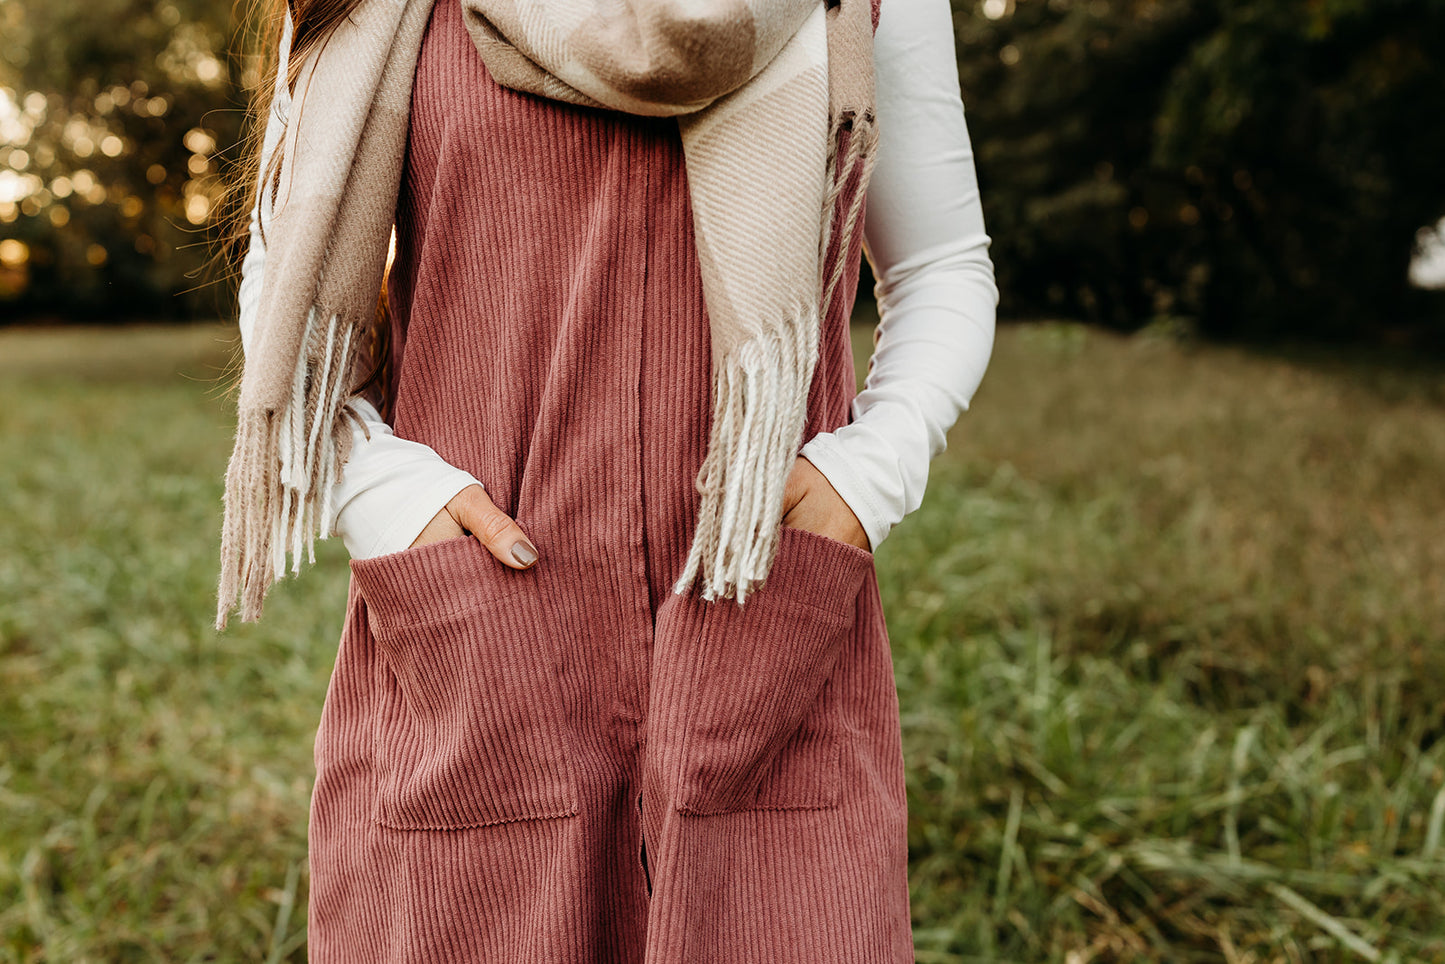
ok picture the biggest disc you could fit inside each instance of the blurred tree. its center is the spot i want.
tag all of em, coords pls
(1259, 167)
(110, 116)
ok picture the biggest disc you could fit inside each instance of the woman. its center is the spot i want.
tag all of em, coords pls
(614, 683)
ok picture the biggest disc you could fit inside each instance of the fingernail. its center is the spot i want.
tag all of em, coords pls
(523, 553)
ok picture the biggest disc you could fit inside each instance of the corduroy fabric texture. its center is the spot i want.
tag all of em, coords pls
(764, 93)
(496, 745)
(762, 140)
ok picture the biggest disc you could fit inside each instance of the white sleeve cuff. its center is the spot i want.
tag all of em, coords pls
(857, 473)
(390, 488)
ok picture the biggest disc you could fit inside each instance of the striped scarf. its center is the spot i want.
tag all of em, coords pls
(774, 101)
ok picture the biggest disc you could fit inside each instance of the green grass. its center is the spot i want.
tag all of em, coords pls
(1169, 635)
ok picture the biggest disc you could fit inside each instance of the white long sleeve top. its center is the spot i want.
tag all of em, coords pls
(924, 236)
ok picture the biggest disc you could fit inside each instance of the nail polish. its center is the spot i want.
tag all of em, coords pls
(523, 553)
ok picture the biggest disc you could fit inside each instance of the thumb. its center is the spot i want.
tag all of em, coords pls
(475, 512)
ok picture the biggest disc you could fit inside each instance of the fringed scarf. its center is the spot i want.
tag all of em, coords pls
(774, 100)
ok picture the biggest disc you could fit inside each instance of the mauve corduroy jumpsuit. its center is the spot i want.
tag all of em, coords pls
(496, 745)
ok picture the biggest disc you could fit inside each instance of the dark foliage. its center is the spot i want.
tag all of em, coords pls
(1257, 169)
(1251, 169)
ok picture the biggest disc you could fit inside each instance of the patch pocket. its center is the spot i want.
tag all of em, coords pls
(468, 726)
(762, 729)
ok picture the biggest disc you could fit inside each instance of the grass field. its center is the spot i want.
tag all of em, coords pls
(1169, 635)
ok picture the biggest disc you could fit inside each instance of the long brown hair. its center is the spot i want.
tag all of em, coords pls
(312, 24)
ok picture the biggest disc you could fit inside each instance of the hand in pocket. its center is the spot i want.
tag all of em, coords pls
(810, 502)
(472, 512)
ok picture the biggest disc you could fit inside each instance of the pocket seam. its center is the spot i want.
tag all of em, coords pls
(833, 737)
(448, 616)
(380, 572)
(788, 603)
(395, 626)
(387, 770)
(813, 550)
(378, 560)
(830, 540)
(471, 825)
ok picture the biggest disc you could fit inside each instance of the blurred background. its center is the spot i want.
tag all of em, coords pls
(1169, 628)
(1250, 169)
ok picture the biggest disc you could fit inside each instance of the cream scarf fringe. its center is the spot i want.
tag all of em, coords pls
(774, 100)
